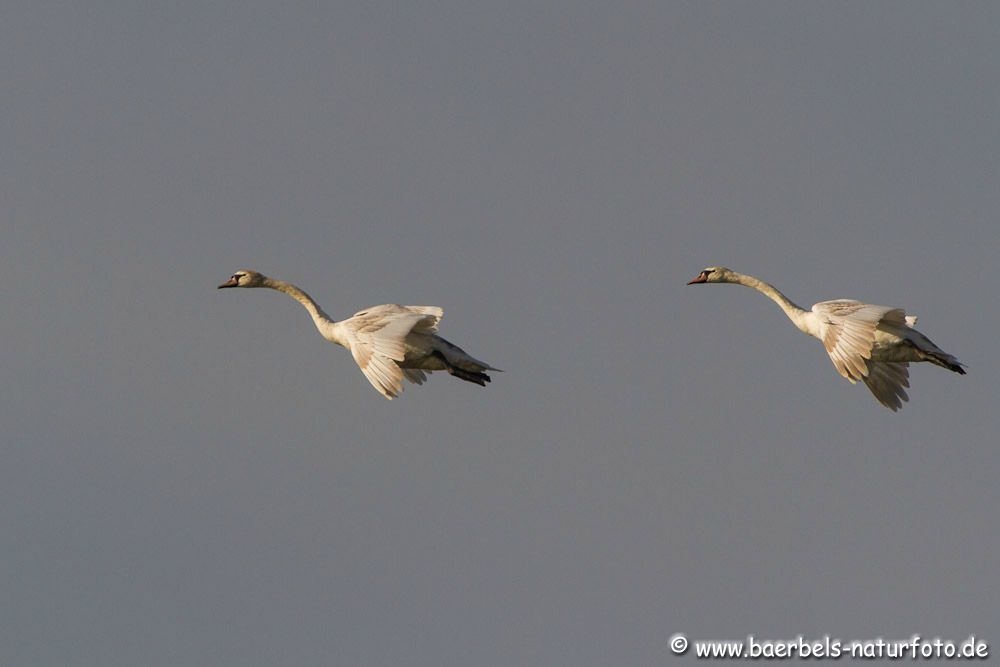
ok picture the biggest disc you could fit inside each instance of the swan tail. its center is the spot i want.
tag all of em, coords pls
(469, 376)
(945, 360)
(928, 351)
(464, 367)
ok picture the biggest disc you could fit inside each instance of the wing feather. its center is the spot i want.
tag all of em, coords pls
(427, 324)
(886, 381)
(378, 341)
(849, 333)
(415, 375)
(382, 372)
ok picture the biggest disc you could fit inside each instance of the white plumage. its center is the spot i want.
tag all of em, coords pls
(873, 344)
(388, 342)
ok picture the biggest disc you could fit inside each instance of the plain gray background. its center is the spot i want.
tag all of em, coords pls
(195, 477)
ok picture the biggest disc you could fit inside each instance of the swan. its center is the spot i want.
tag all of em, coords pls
(874, 344)
(388, 342)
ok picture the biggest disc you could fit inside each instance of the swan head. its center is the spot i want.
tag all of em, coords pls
(244, 278)
(714, 274)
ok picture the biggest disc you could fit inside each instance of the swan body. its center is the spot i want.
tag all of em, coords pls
(389, 342)
(873, 344)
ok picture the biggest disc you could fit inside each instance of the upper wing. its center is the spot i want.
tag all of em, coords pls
(886, 380)
(378, 341)
(849, 333)
(433, 315)
(427, 323)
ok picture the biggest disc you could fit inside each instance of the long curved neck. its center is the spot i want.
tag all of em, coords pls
(326, 326)
(799, 316)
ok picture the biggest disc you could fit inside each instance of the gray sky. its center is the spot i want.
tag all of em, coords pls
(194, 477)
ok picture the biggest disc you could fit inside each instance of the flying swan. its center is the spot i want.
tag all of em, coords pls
(874, 344)
(389, 342)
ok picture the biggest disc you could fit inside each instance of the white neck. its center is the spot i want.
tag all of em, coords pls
(800, 317)
(324, 324)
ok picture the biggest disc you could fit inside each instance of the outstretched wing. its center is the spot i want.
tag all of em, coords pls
(886, 380)
(849, 333)
(378, 341)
